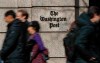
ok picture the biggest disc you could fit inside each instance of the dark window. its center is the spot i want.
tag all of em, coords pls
(94, 2)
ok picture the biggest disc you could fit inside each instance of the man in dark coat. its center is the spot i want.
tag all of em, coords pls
(12, 50)
(23, 15)
(86, 44)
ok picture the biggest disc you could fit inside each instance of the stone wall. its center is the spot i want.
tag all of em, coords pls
(52, 37)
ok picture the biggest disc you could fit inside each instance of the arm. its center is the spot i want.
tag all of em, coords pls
(39, 41)
(10, 41)
(35, 51)
(81, 41)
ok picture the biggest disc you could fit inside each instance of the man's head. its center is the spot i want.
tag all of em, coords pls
(94, 13)
(22, 15)
(9, 16)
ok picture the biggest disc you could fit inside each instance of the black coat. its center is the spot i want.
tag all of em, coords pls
(14, 43)
(86, 41)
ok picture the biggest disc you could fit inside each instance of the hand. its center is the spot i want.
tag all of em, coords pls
(93, 60)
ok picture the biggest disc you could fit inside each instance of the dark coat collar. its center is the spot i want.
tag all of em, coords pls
(14, 23)
(84, 19)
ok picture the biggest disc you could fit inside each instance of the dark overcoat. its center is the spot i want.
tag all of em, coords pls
(14, 43)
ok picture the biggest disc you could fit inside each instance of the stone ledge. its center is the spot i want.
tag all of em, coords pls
(57, 60)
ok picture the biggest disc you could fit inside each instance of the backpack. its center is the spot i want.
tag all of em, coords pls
(29, 47)
(69, 41)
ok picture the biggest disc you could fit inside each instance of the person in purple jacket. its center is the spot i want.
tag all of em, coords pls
(39, 52)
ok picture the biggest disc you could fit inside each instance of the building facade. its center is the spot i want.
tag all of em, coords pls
(52, 37)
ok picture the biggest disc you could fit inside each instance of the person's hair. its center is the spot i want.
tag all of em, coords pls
(10, 12)
(36, 25)
(93, 10)
(24, 13)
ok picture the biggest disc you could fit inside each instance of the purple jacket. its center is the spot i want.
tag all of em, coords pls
(38, 39)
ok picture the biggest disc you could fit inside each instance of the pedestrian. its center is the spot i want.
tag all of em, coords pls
(39, 52)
